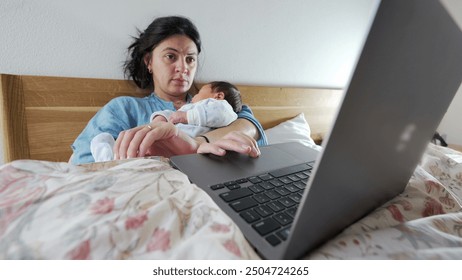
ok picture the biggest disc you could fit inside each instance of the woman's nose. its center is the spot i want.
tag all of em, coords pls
(182, 66)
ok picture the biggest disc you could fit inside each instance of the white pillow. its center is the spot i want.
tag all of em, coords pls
(293, 130)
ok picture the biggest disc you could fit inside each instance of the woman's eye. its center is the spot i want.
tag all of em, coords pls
(190, 59)
(170, 56)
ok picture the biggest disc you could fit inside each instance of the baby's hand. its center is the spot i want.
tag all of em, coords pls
(178, 117)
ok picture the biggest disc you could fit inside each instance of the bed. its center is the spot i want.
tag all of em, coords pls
(144, 209)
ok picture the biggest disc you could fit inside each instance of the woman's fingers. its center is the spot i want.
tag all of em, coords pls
(138, 141)
(158, 132)
(244, 143)
(127, 143)
(234, 141)
(116, 147)
(208, 148)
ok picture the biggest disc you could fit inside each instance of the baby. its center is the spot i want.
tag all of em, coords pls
(215, 105)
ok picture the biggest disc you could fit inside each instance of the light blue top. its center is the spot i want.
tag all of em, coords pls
(125, 112)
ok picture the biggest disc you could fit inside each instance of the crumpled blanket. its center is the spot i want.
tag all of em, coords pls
(423, 222)
(136, 209)
(144, 209)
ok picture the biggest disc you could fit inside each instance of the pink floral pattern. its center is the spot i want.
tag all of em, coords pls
(103, 206)
(136, 221)
(395, 213)
(17, 195)
(144, 209)
(220, 228)
(160, 240)
(133, 209)
(81, 252)
(432, 207)
(232, 247)
(424, 222)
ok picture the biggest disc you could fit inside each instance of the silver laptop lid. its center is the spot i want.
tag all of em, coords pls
(406, 77)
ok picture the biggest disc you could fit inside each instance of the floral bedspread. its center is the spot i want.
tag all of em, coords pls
(144, 209)
(423, 222)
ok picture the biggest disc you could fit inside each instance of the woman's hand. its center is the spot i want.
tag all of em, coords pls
(236, 141)
(155, 139)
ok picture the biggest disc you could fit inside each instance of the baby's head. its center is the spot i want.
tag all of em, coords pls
(220, 90)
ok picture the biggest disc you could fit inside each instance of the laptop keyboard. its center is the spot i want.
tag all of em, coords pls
(269, 201)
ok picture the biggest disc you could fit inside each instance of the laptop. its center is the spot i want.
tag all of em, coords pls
(405, 78)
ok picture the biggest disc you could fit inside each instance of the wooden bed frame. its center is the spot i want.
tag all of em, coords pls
(41, 115)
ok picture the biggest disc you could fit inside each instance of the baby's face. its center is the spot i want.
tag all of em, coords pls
(204, 93)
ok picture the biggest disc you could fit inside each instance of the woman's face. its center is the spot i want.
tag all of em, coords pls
(173, 64)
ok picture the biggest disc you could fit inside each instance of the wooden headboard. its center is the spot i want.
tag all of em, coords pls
(42, 116)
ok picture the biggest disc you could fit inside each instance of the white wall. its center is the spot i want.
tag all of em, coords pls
(267, 42)
(245, 41)
(450, 126)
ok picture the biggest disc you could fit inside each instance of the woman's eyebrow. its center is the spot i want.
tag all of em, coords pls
(175, 50)
(170, 49)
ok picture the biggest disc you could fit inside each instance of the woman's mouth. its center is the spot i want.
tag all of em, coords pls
(180, 81)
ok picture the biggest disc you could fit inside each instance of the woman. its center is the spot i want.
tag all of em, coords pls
(164, 58)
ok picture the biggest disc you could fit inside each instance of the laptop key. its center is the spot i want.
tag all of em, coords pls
(276, 183)
(283, 233)
(233, 187)
(265, 177)
(285, 180)
(286, 201)
(273, 240)
(261, 198)
(235, 194)
(266, 185)
(282, 191)
(256, 188)
(291, 211)
(217, 186)
(266, 226)
(272, 195)
(250, 216)
(254, 179)
(283, 219)
(263, 210)
(243, 203)
(300, 185)
(291, 188)
(276, 206)
(293, 178)
(296, 197)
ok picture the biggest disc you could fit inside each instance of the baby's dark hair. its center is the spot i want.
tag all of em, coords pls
(232, 94)
(159, 30)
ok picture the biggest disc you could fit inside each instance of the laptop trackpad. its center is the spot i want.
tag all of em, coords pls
(207, 170)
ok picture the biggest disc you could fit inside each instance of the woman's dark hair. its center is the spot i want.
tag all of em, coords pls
(232, 94)
(159, 30)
